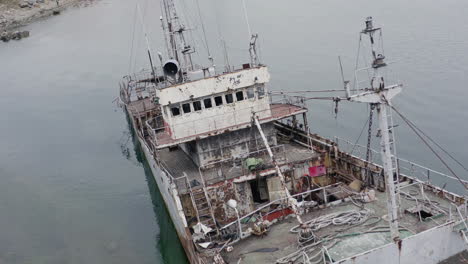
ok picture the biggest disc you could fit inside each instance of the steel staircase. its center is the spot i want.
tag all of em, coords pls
(203, 207)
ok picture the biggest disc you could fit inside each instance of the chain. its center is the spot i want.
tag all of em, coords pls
(369, 137)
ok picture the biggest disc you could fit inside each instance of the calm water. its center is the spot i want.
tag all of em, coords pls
(70, 192)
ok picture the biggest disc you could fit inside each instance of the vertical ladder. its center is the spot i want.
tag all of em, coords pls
(395, 165)
(389, 162)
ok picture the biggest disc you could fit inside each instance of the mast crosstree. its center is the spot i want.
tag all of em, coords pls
(380, 96)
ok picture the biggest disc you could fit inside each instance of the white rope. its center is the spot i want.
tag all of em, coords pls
(352, 217)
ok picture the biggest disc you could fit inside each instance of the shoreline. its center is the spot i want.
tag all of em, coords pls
(12, 16)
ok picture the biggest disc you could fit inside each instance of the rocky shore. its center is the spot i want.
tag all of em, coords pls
(17, 13)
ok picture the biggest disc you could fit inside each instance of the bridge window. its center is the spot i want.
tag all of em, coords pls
(250, 93)
(186, 108)
(175, 110)
(207, 103)
(240, 96)
(229, 98)
(218, 100)
(260, 92)
(196, 106)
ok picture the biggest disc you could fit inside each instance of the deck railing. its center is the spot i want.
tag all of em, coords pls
(278, 205)
(142, 81)
(215, 122)
(281, 98)
(236, 166)
(406, 167)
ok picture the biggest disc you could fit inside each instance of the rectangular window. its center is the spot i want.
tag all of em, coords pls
(186, 108)
(196, 106)
(260, 91)
(229, 98)
(240, 96)
(218, 100)
(175, 111)
(250, 93)
(207, 103)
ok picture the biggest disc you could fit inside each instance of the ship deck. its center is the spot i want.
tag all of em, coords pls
(178, 163)
(351, 240)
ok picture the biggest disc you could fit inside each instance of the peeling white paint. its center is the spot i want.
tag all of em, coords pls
(213, 85)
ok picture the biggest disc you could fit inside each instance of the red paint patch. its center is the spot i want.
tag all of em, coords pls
(277, 214)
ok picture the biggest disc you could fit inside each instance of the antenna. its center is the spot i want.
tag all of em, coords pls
(253, 50)
(226, 56)
(345, 83)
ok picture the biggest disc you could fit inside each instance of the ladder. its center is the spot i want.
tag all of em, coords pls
(395, 166)
(202, 205)
(203, 208)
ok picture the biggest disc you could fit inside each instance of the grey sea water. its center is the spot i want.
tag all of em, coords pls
(73, 188)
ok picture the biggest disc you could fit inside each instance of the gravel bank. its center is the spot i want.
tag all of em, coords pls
(12, 15)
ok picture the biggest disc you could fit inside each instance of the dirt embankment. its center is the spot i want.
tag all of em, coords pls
(16, 13)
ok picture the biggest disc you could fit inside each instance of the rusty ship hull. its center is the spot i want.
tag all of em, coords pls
(245, 181)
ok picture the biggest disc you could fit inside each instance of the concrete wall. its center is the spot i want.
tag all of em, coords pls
(428, 247)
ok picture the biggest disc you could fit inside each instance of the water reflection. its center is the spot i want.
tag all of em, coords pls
(167, 242)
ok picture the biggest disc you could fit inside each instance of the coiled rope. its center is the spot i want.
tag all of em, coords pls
(352, 217)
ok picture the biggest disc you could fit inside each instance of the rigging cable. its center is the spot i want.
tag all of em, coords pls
(415, 130)
(221, 38)
(360, 134)
(418, 132)
(357, 63)
(204, 32)
(321, 98)
(438, 145)
(247, 19)
(320, 91)
(133, 41)
(190, 20)
(142, 17)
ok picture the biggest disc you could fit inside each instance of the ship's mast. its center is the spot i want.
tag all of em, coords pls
(380, 96)
(177, 47)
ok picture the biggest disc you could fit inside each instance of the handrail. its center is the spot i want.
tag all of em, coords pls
(147, 74)
(403, 160)
(243, 155)
(304, 134)
(237, 110)
(214, 123)
(279, 200)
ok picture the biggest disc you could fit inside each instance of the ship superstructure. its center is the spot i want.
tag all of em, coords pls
(245, 181)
